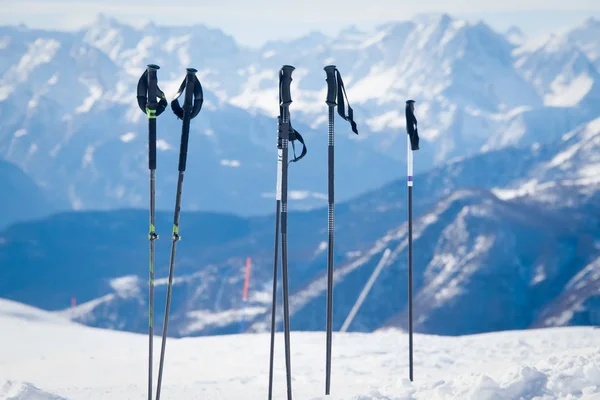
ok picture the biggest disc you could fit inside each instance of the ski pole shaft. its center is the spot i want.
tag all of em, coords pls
(410, 261)
(410, 121)
(188, 106)
(152, 104)
(275, 267)
(147, 94)
(286, 100)
(331, 103)
(366, 290)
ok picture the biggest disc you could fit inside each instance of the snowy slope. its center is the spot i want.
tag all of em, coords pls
(73, 123)
(77, 362)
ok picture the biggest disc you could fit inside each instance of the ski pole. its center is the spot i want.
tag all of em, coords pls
(245, 294)
(285, 134)
(412, 144)
(147, 93)
(335, 94)
(191, 107)
(363, 295)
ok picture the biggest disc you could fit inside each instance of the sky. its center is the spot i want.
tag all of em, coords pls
(252, 22)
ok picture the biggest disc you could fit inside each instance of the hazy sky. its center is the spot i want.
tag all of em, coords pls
(254, 21)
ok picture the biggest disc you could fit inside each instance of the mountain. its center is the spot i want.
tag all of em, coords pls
(71, 95)
(521, 222)
(22, 199)
(515, 35)
(585, 36)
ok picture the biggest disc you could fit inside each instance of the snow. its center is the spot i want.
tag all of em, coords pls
(127, 137)
(230, 163)
(390, 119)
(305, 194)
(95, 91)
(321, 248)
(41, 51)
(41, 350)
(374, 86)
(253, 93)
(162, 144)
(75, 200)
(4, 42)
(12, 390)
(269, 54)
(174, 42)
(88, 156)
(567, 93)
(126, 286)
(204, 318)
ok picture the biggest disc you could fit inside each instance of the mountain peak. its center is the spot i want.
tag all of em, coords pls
(107, 21)
(591, 22)
(515, 35)
(551, 43)
(433, 18)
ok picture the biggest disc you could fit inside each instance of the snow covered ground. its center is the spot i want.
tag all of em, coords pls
(41, 353)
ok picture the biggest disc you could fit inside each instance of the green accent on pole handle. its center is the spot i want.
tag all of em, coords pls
(151, 113)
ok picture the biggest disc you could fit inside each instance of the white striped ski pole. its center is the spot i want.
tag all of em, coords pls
(363, 295)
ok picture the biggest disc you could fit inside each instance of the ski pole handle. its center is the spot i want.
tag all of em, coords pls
(331, 88)
(187, 111)
(151, 112)
(286, 82)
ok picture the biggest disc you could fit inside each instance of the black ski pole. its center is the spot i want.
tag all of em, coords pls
(275, 266)
(147, 93)
(191, 107)
(285, 134)
(412, 145)
(335, 91)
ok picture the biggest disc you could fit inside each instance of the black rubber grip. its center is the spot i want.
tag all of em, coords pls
(187, 114)
(331, 86)
(286, 82)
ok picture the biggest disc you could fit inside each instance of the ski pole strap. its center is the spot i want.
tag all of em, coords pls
(295, 135)
(147, 105)
(285, 99)
(411, 125)
(197, 100)
(341, 94)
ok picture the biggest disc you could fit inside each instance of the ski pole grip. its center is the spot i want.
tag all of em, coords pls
(187, 115)
(331, 89)
(286, 82)
(152, 86)
(151, 111)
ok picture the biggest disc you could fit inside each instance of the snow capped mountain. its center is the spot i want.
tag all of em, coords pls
(586, 37)
(70, 119)
(559, 71)
(515, 35)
